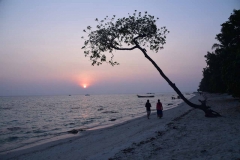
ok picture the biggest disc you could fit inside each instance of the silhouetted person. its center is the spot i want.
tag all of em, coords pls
(148, 108)
(159, 109)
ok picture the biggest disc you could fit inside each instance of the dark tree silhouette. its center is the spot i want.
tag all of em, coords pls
(222, 74)
(136, 31)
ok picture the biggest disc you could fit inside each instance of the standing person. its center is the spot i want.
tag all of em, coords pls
(148, 108)
(159, 109)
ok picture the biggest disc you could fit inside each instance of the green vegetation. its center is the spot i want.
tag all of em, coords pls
(222, 74)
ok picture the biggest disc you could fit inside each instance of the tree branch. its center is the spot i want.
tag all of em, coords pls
(117, 48)
(140, 36)
(132, 48)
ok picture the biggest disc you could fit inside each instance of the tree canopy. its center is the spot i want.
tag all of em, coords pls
(137, 30)
(222, 73)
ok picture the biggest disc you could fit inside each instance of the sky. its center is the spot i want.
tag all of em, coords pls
(40, 46)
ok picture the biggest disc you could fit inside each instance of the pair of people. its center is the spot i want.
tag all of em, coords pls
(158, 107)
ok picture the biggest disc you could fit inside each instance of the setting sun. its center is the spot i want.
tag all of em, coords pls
(83, 81)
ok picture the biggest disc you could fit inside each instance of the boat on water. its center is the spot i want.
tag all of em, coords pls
(145, 96)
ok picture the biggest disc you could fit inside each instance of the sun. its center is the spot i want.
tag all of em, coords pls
(84, 86)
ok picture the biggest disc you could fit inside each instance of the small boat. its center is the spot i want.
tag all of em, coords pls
(145, 96)
(87, 95)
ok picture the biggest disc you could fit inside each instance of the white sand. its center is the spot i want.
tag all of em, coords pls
(183, 133)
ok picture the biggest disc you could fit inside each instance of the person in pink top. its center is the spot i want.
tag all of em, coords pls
(159, 109)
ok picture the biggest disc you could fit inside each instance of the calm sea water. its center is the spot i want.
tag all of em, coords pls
(28, 120)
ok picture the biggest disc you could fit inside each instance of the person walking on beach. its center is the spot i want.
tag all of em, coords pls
(159, 109)
(148, 108)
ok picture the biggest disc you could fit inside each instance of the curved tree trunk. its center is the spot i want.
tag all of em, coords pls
(208, 112)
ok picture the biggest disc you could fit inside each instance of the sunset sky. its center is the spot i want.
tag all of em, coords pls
(40, 46)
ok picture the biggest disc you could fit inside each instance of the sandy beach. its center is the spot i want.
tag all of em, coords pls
(182, 133)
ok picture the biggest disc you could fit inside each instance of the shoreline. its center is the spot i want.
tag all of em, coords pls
(176, 136)
(28, 128)
(81, 130)
(193, 136)
(69, 138)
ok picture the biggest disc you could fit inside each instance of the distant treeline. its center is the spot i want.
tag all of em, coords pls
(222, 74)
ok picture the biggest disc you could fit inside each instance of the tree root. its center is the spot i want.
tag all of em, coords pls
(207, 110)
(211, 114)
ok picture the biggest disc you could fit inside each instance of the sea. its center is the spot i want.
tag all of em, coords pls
(28, 120)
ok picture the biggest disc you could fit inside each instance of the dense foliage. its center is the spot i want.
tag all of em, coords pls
(222, 74)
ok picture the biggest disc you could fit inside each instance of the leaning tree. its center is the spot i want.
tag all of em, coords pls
(136, 31)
